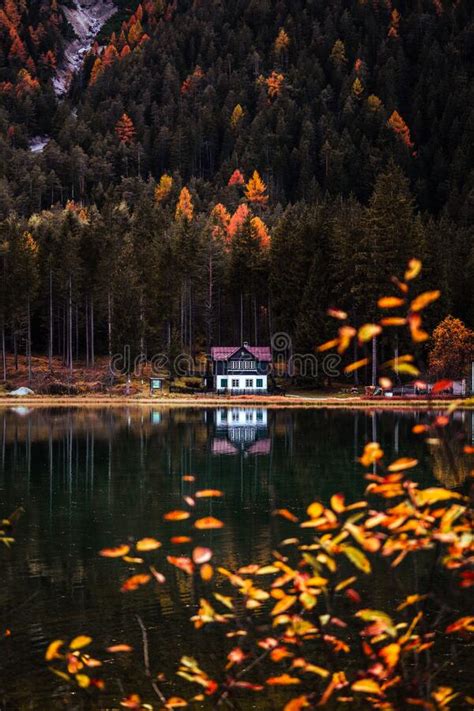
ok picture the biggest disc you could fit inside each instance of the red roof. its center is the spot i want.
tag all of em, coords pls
(223, 446)
(262, 353)
(261, 446)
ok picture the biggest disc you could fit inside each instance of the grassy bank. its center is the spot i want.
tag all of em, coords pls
(269, 401)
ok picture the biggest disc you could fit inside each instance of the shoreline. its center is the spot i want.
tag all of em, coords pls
(282, 402)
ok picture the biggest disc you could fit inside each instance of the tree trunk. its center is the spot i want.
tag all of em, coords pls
(50, 339)
(87, 331)
(70, 326)
(4, 355)
(28, 340)
(109, 326)
(92, 331)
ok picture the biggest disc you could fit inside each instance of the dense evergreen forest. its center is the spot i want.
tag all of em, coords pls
(220, 170)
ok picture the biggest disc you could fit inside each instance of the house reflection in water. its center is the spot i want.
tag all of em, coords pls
(241, 429)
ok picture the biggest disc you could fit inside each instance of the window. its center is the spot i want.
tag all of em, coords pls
(235, 383)
(249, 383)
(223, 382)
(249, 416)
(235, 415)
(259, 382)
(259, 416)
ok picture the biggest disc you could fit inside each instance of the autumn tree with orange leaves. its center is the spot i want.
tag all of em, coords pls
(452, 351)
(125, 129)
(256, 190)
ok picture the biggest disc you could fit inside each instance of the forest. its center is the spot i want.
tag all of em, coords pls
(221, 171)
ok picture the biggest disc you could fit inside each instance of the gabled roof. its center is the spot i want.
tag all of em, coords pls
(262, 353)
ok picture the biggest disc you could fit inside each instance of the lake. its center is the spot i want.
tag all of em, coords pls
(92, 478)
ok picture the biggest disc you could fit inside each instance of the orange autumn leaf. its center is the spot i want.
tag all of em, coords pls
(116, 552)
(385, 383)
(284, 513)
(175, 702)
(189, 477)
(328, 345)
(401, 464)
(346, 334)
(414, 268)
(390, 655)
(135, 582)
(182, 563)
(179, 540)
(147, 544)
(300, 702)
(117, 648)
(284, 604)
(423, 300)
(208, 522)
(208, 493)
(283, 680)
(133, 701)
(390, 302)
(356, 365)
(206, 572)
(338, 503)
(419, 429)
(201, 555)
(393, 321)
(176, 515)
(53, 650)
(464, 623)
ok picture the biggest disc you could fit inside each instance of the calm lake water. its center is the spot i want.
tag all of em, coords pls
(91, 478)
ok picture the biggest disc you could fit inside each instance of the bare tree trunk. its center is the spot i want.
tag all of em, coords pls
(87, 330)
(28, 346)
(70, 326)
(50, 340)
(255, 319)
(142, 332)
(15, 346)
(92, 331)
(210, 297)
(241, 318)
(77, 331)
(109, 326)
(4, 355)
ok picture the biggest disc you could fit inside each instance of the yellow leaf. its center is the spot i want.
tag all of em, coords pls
(358, 558)
(315, 509)
(368, 331)
(147, 544)
(80, 642)
(401, 464)
(407, 369)
(434, 494)
(83, 680)
(53, 650)
(414, 268)
(366, 686)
